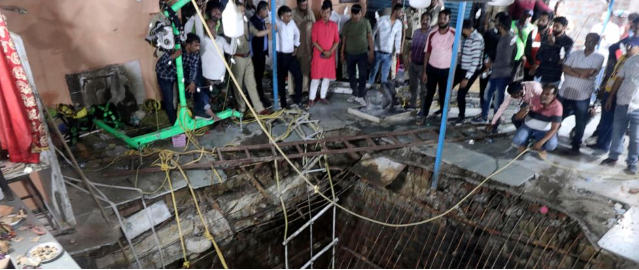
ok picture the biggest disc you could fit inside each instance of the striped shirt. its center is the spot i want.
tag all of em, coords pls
(472, 53)
(417, 44)
(628, 93)
(387, 36)
(541, 117)
(575, 88)
(440, 48)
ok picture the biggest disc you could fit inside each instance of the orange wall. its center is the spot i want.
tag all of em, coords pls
(69, 36)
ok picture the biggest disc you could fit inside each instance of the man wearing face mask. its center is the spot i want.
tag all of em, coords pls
(533, 43)
(555, 47)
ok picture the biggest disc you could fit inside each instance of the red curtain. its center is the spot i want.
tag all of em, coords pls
(22, 132)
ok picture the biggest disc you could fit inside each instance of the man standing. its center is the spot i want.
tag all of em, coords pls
(580, 71)
(491, 39)
(552, 53)
(626, 88)
(522, 29)
(325, 37)
(304, 18)
(469, 67)
(438, 52)
(542, 119)
(502, 69)
(357, 52)
(604, 129)
(533, 42)
(388, 38)
(259, 49)
(288, 40)
(416, 61)
(243, 69)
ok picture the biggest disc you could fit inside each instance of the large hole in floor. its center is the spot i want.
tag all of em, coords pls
(492, 229)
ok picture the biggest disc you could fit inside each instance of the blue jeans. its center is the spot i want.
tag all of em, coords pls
(201, 100)
(604, 129)
(494, 85)
(623, 118)
(524, 134)
(579, 108)
(167, 98)
(385, 60)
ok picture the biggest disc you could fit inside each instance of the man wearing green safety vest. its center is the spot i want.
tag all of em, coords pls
(522, 29)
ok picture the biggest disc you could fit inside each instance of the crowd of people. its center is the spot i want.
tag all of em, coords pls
(517, 60)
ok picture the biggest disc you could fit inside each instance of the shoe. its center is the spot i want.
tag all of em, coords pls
(420, 114)
(266, 112)
(325, 101)
(459, 121)
(609, 162)
(410, 108)
(631, 170)
(479, 120)
(351, 99)
(599, 152)
(542, 155)
(361, 101)
(311, 103)
(302, 106)
(593, 146)
(574, 152)
(438, 112)
(204, 117)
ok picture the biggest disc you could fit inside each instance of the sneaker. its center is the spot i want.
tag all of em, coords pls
(542, 155)
(459, 121)
(351, 99)
(311, 103)
(302, 106)
(599, 152)
(609, 162)
(361, 101)
(479, 120)
(521, 149)
(631, 170)
(410, 108)
(325, 101)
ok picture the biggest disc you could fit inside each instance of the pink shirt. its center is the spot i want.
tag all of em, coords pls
(440, 48)
(531, 89)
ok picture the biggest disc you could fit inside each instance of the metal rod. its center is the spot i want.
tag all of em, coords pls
(421, 255)
(379, 208)
(483, 230)
(461, 239)
(430, 250)
(533, 248)
(381, 230)
(519, 238)
(546, 247)
(509, 236)
(385, 247)
(361, 257)
(481, 218)
(528, 241)
(449, 89)
(276, 101)
(493, 247)
(569, 248)
(310, 226)
(333, 243)
(333, 235)
(286, 256)
(309, 222)
(410, 237)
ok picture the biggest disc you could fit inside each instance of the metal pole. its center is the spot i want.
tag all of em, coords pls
(449, 89)
(276, 103)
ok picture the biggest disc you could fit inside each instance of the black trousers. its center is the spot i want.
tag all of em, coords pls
(460, 75)
(259, 64)
(483, 84)
(286, 63)
(359, 61)
(436, 81)
(527, 77)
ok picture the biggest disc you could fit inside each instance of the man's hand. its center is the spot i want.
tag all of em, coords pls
(522, 113)
(463, 83)
(533, 70)
(371, 57)
(176, 54)
(489, 128)
(592, 111)
(424, 77)
(537, 146)
(608, 105)
(488, 65)
(268, 26)
(294, 51)
(191, 88)
(551, 39)
(342, 57)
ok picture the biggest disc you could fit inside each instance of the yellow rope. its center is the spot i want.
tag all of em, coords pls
(166, 157)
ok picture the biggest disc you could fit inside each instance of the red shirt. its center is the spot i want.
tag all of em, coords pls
(519, 6)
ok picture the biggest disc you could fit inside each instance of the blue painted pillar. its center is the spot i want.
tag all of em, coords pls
(276, 97)
(449, 90)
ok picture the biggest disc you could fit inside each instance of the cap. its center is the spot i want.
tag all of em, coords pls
(527, 12)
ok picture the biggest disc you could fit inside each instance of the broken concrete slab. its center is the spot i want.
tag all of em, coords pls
(484, 165)
(622, 238)
(385, 117)
(140, 222)
(378, 170)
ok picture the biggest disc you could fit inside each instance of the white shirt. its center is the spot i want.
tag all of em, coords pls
(611, 36)
(389, 36)
(212, 64)
(288, 36)
(628, 93)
